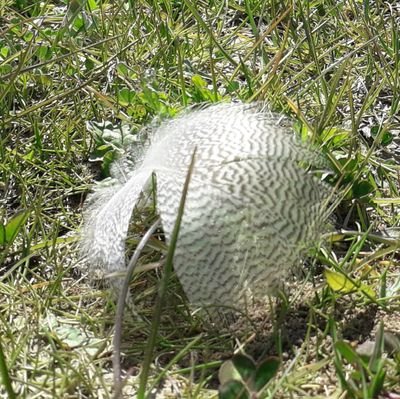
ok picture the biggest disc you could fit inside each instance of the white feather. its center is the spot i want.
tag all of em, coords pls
(251, 209)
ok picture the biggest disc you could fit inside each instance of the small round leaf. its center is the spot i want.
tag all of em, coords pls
(362, 188)
(233, 390)
(266, 371)
(245, 366)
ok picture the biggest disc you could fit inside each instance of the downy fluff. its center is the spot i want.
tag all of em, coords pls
(253, 205)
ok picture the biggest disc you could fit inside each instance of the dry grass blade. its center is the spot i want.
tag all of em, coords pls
(122, 300)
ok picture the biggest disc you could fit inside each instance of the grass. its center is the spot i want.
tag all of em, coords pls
(332, 66)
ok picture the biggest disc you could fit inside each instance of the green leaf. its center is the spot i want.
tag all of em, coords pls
(14, 226)
(92, 5)
(2, 234)
(126, 96)
(246, 367)
(5, 375)
(362, 188)
(42, 52)
(29, 156)
(108, 158)
(137, 111)
(232, 87)
(266, 370)
(375, 130)
(387, 138)
(123, 69)
(199, 82)
(202, 92)
(4, 51)
(78, 22)
(335, 136)
(377, 383)
(228, 372)
(347, 352)
(4, 69)
(28, 36)
(233, 390)
(338, 282)
(89, 64)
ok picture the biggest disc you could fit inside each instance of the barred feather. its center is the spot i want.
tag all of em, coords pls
(252, 207)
